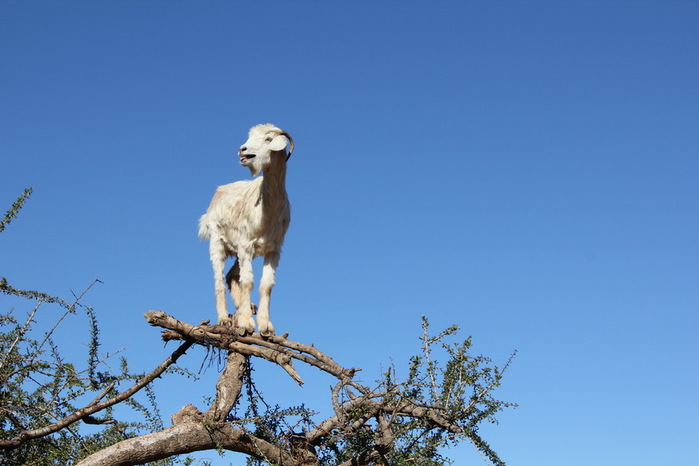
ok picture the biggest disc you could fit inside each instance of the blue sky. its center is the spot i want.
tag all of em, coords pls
(526, 170)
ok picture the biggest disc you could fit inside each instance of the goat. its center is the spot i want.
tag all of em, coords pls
(249, 219)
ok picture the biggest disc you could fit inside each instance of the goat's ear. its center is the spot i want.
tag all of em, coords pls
(278, 143)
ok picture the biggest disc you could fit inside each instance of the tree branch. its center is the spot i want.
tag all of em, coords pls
(92, 407)
(191, 433)
(228, 387)
(276, 349)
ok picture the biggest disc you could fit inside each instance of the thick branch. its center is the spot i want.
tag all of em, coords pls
(228, 387)
(276, 349)
(192, 433)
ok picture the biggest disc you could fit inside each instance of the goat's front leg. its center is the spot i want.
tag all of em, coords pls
(241, 282)
(218, 258)
(266, 284)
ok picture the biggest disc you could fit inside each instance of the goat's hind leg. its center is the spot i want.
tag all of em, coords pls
(218, 263)
(240, 284)
(233, 281)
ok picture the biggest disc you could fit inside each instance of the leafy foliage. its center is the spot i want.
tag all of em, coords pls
(14, 210)
(437, 405)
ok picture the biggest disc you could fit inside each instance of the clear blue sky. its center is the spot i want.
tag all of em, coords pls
(526, 170)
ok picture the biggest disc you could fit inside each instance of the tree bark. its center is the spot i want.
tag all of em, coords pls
(193, 433)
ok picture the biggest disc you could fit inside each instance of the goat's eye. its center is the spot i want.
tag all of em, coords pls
(268, 139)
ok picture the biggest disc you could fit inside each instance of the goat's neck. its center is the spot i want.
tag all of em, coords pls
(274, 187)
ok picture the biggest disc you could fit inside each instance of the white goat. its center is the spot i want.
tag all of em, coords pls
(248, 219)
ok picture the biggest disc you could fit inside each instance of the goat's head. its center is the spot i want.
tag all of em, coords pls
(265, 148)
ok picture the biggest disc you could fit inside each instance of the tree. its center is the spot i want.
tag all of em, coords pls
(397, 422)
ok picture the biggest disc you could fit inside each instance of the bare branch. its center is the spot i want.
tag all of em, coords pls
(190, 432)
(276, 349)
(228, 387)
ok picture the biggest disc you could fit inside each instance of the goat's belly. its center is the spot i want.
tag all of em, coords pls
(262, 247)
(256, 248)
(256, 244)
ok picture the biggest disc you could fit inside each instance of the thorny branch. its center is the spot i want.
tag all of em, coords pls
(20, 334)
(94, 407)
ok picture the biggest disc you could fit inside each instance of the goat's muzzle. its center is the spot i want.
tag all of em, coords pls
(244, 158)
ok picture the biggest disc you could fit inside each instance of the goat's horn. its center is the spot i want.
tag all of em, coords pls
(291, 144)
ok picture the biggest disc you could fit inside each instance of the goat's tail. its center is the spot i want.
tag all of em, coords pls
(204, 230)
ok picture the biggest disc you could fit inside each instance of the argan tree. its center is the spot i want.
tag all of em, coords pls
(45, 401)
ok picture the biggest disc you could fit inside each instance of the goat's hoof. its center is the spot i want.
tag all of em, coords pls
(267, 330)
(244, 325)
(226, 321)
